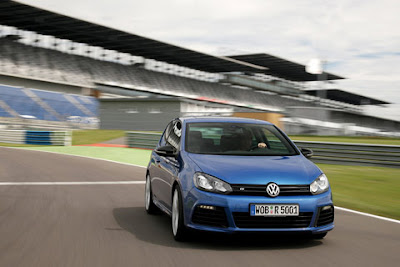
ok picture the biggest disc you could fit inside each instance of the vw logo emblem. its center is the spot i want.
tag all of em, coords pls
(273, 189)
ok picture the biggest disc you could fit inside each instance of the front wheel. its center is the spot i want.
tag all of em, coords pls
(179, 230)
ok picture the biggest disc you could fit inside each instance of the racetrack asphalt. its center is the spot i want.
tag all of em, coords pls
(106, 224)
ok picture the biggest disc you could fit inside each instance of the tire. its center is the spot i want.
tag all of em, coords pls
(319, 236)
(179, 230)
(150, 207)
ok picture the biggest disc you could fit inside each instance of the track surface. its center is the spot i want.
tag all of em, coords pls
(106, 225)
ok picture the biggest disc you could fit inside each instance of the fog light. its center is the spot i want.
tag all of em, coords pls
(326, 208)
(206, 207)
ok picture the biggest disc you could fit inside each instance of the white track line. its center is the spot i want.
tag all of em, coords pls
(72, 183)
(339, 208)
(369, 215)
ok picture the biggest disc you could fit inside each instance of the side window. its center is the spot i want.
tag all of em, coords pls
(163, 139)
(173, 133)
(163, 142)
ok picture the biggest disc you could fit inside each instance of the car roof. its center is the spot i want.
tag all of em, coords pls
(223, 119)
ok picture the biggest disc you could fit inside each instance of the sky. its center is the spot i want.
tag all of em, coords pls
(359, 39)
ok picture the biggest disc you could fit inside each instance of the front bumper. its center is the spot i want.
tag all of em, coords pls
(235, 204)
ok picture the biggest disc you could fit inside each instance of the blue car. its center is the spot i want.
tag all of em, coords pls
(236, 175)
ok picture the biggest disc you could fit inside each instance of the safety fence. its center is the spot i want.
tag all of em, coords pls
(329, 153)
(353, 154)
(55, 138)
(142, 139)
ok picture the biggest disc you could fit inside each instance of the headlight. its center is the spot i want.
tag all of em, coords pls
(206, 182)
(320, 185)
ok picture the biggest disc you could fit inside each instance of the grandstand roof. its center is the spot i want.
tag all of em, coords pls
(44, 22)
(283, 68)
(343, 96)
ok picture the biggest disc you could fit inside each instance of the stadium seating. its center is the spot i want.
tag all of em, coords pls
(29, 61)
(61, 67)
(59, 104)
(3, 112)
(18, 101)
(43, 105)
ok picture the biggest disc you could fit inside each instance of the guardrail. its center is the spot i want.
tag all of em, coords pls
(55, 138)
(329, 153)
(353, 154)
(142, 139)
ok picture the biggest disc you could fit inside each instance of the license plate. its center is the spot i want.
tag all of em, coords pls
(274, 210)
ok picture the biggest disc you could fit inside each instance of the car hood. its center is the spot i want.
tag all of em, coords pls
(288, 170)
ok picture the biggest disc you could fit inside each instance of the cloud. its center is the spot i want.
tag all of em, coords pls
(378, 54)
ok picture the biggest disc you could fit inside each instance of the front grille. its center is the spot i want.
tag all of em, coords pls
(260, 190)
(325, 216)
(209, 217)
(244, 220)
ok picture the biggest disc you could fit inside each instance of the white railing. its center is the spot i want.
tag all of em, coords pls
(55, 138)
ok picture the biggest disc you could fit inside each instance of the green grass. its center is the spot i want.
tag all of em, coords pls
(85, 137)
(17, 145)
(348, 139)
(369, 189)
(126, 155)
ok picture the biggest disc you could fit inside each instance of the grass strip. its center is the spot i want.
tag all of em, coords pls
(126, 155)
(85, 137)
(18, 145)
(373, 190)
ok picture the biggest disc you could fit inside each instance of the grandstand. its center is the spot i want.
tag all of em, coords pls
(74, 63)
(85, 71)
(43, 106)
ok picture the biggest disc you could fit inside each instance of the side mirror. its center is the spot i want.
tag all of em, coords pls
(166, 151)
(308, 153)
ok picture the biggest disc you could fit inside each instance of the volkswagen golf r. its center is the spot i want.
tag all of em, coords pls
(236, 175)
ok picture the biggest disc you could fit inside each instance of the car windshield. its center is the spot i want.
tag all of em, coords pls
(236, 139)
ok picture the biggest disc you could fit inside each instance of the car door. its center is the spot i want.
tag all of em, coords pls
(168, 167)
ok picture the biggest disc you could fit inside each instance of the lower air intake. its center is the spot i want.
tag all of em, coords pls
(326, 216)
(244, 220)
(211, 217)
